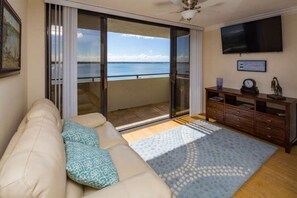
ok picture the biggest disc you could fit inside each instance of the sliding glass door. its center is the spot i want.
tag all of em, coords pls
(90, 63)
(147, 74)
(180, 71)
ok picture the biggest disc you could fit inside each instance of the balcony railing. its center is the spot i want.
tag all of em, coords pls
(116, 77)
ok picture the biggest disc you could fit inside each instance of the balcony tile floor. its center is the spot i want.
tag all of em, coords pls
(137, 114)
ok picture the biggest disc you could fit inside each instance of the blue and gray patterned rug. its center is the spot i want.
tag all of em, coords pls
(200, 159)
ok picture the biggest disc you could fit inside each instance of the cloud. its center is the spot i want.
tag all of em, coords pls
(79, 35)
(138, 36)
(58, 31)
(138, 58)
(81, 58)
(182, 58)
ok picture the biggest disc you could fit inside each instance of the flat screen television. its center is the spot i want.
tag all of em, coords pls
(257, 36)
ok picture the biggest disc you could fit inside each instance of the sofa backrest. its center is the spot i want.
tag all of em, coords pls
(33, 164)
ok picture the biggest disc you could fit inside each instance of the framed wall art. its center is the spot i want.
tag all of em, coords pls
(10, 40)
(252, 65)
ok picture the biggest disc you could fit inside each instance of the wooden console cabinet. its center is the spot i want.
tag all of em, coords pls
(268, 119)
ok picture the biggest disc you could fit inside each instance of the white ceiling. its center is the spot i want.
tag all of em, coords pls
(229, 11)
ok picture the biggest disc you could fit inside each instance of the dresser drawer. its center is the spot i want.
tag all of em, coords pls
(271, 138)
(215, 114)
(243, 124)
(240, 112)
(215, 105)
(270, 120)
(266, 129)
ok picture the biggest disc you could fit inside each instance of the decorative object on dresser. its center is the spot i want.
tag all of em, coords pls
(219, 83)
(278, 90)
(258, 115)
(249, 87)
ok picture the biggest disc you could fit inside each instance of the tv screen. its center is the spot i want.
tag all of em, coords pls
(256, 36)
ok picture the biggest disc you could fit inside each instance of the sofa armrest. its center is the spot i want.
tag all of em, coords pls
(145, 185)
(91, 120)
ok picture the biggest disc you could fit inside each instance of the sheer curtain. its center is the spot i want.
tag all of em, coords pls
(196, 92)
(61, 58)
(70, 62)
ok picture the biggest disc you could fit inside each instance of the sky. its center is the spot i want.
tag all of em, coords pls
(123, 47)
(127, 47)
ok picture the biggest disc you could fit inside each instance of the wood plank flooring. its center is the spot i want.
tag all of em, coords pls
(277, 178)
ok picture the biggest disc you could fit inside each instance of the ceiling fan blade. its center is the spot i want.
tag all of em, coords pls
(169, 2)
(176, 2)
(209, 3)
(163, 3)
(168, 12)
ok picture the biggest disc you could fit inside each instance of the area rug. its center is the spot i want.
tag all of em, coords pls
(200, 159)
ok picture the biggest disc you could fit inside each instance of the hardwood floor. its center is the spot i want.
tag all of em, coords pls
(276, 178)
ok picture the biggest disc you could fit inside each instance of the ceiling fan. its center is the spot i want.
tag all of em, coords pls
(189, 8)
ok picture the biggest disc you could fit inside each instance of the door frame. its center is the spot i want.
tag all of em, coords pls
(173, 66)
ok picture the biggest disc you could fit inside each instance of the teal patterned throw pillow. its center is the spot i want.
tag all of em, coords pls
(90, 166)
(75, 132)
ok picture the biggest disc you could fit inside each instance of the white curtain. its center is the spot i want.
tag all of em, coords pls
(195, 72)
(69, 62)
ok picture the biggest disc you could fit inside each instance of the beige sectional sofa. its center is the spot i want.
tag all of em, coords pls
(33, 164)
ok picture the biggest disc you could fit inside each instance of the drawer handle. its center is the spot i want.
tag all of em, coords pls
(238, 119)
(269, 136)
(268, 120)
(268, 128)
(238, 112)
(237, 125)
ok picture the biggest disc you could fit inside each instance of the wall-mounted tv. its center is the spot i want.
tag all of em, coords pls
(257, 36)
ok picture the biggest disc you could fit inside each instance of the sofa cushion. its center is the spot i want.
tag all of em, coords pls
(127, 162)
(145, 185)
(109, 136)
(75, 132)
(36, 165)
(74, 189)
(90, 166)
(91, 120)
(46, 109)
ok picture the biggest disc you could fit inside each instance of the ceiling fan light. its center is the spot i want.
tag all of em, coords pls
(188, 14)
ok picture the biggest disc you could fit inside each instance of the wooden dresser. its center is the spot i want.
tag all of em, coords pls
(272, 120)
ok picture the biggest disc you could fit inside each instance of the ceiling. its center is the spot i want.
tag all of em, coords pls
(229, 11)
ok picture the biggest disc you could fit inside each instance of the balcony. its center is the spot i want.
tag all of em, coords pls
(132, 99)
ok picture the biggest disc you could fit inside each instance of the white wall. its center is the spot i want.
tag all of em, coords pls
(283, 65)
(36, 52)
(13, 89)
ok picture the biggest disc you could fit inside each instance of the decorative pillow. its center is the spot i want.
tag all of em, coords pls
(75, 132)
(90, 166)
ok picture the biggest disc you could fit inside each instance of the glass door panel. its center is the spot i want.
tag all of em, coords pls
(89, 78)
(180, 72)
(138, 73)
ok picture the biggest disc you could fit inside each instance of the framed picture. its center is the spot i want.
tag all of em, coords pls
(252, 65)
(10, 40)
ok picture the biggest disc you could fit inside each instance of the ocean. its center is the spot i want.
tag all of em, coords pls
(90, 71)
(124, 70)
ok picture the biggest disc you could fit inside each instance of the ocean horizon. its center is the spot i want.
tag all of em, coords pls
(116, 69)
(125, 70)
